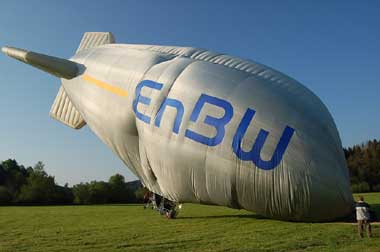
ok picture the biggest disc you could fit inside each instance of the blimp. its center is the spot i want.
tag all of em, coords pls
(204, 127)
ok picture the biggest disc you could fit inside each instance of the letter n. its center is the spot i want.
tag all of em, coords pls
(178, 118)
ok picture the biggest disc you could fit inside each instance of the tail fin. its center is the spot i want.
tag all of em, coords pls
(94, 39)
(62, 109)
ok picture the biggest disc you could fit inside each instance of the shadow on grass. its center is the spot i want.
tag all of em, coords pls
(242, 216)
(374, 212)
(375, 216)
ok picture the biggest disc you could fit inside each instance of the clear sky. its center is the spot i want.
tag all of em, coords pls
(332, 47)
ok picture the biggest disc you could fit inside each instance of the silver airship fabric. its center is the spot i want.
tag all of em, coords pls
(310, 182)
(62, 109)
(200, 126)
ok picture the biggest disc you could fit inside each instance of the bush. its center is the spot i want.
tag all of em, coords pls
(376, 188)
(95, 192)
(5, 196)
(139, 194)
(360, 187)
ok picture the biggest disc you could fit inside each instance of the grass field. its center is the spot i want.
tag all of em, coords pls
(198, 228)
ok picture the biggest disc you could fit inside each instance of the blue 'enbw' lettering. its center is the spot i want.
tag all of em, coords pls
(178, 118)
(143, 99)
(218, 123)
(254, 153)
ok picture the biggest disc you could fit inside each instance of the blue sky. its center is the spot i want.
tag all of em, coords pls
(332, 47)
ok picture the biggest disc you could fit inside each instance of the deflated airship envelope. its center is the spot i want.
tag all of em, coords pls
(200, 126)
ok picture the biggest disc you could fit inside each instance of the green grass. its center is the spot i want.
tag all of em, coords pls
(198, 228)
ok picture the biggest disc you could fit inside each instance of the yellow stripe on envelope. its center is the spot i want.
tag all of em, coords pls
(106, 86)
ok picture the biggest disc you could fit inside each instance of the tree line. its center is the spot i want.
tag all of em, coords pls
(32, 185)
(363, 163)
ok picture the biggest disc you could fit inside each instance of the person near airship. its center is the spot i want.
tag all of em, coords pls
(363, 217)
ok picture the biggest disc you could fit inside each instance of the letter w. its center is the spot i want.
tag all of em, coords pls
(254, 153)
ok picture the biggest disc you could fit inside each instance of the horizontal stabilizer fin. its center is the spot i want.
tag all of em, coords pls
(64, 111)
(94, 39)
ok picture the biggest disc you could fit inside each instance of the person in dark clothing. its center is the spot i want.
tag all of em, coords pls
(363, 217)
(158, 199)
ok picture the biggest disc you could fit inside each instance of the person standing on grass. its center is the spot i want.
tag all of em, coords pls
(363, 217)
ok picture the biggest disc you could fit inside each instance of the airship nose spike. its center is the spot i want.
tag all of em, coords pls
(18, 54)
(61, 68)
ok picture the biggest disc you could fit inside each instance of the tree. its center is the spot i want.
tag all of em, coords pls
(40, 188)
(99, 192)
(3, 175)
(117, 180)
(363, 163)
(82, 193)
(118, 190)
(12, 175)
(39, 168)
(95, 192)
(63, 195)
